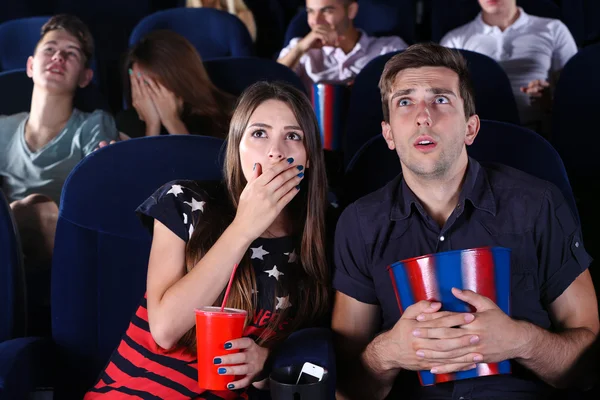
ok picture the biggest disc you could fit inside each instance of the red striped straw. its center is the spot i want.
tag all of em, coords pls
(228, 288)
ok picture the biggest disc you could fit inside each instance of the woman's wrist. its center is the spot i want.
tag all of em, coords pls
(175, 126)
(152, 129)
(239, 234)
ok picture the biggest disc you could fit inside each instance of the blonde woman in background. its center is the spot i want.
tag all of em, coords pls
(235, 7)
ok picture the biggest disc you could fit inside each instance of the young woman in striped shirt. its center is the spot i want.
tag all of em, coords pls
(269, 216)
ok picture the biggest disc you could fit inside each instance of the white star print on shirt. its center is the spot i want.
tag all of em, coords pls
(184, 218)
(196, 205)
(274, 272)
(258, 252)
(175, 190)
(283, 303)
(190, 231)
(292, 257)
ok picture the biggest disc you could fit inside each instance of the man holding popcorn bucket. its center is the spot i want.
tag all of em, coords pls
(401, 306)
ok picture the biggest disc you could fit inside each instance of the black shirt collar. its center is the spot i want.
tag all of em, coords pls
(476, 188)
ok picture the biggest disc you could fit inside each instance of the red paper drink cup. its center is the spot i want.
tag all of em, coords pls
(213, 329)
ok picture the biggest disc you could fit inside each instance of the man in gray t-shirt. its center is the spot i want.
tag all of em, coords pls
(39, 149)
(26, 172)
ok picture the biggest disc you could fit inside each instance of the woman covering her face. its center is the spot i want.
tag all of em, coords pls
(169, 91)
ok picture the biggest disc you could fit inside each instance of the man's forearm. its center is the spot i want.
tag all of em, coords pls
(368, 376)
(292, 58)
(552, 355)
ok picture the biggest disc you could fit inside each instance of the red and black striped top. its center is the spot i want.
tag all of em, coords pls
(139, 369)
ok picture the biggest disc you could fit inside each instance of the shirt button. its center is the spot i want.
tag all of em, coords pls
(576, 244)
(442, 238)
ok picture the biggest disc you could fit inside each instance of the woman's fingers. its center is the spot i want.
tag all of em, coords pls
(163, 90)
(152, 86)
(292, 173)
(261, 385)
(292, 182)
(134, 85)
(282, 180)
(269, 174)
(284, 201)
(242, 383)
(140, 85)
(239, 370)
(231, 359)
(256, 172)
(135, 88)
(239, 344)
(148, 91)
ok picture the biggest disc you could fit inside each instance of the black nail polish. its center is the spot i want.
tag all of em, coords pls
(290, 160)
(217, 361)
(228, 346)
(301, 175)
(230, 386)
(300, 167)
(221, 371)
(298, 187)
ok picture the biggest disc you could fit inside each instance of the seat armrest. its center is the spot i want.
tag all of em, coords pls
(26, 364)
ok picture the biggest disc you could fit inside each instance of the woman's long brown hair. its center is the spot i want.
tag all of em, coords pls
(309, 286)
(176, 64)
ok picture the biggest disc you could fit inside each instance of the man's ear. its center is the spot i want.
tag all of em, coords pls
(473, 125)
(29, 66)
(86, 77)
(386, 131)
(352, 10)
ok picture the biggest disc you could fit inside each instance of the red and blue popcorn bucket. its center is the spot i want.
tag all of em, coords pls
(330, 102)
(485, 271)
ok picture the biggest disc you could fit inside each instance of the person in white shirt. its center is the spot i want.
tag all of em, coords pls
(532, 50)
(335, 50)
(39, 148)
